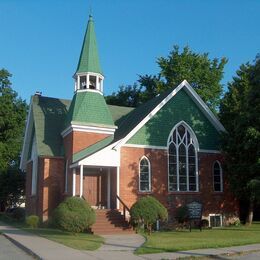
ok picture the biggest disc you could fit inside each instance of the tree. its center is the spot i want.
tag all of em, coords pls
(12, 183)
(239, 112)
(126, 96)
(199, 70)
(12, 122)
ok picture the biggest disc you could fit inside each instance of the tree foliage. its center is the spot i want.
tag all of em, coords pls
(12, 122)
(203, 74)
(239, 112)
(12, 188)
(146, 211)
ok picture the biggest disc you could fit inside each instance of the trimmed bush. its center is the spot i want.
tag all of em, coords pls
(182, 214)
(17, 214)
(74, 215)
(146, 211)
(32, 221)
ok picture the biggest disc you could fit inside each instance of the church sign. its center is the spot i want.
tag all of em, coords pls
(194, 212)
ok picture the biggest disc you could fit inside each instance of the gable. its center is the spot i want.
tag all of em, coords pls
(180, 108)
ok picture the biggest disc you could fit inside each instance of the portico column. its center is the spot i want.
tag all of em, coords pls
(117, 186)
(108, 188)
(74, 182)
(81, 181)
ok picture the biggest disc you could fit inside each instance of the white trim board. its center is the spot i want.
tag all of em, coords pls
(145, 146)
(192, 93)
(89, 129)
(27, 135)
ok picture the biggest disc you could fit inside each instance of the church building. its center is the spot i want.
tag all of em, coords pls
(111, 156)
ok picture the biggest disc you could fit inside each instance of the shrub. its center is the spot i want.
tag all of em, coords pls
(74, 215)
(205, 223)
(146, 211)
(17, 214)
(182, 214)
(32, 221)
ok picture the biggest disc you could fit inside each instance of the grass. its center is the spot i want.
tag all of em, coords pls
(80, 241)
(209, 238)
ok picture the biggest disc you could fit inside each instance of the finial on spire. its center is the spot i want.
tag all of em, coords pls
(90, 13)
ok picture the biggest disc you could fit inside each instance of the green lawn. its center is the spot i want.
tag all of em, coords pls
(210, 238)
(81, 241)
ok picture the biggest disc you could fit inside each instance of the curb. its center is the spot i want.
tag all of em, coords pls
(21, 246)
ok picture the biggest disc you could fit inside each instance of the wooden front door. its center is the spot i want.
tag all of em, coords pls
(92, 189)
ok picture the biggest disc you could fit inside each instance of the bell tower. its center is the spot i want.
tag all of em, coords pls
(88, 76)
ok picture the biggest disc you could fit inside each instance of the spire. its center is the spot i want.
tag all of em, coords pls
(89, 59)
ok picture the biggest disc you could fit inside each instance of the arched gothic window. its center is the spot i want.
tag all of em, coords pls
(217, 177)
(144, 175)
(182, 160)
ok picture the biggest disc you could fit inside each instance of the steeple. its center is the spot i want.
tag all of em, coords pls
(88, 74)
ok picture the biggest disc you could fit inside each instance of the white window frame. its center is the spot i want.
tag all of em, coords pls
(149, 174)
(216, 215)
(196, 148)
(221, 176)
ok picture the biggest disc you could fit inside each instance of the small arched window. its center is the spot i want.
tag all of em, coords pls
(144, 175)
(217, 177)
(182, 156)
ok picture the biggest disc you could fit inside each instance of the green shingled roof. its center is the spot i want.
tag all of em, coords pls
(89, 108)
(89, 59)
(49, 115)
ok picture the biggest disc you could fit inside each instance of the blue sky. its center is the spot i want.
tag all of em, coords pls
(41, 40)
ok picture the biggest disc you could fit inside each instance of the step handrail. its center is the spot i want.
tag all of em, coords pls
(125, 208)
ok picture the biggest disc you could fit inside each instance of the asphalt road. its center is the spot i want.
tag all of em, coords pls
(8, 251)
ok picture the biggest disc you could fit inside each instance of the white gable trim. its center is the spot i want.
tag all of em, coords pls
(89, 129)
(193, 95)
(145, 146)
(205, 109)
(27, 139)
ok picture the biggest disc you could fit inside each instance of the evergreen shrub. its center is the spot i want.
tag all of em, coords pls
(74, 215)
(182, 214)
(146, 211)
(17, 214)
(32, 221)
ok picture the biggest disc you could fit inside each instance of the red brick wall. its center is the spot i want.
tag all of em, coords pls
(77, 141)
(129, 174)
(213, 202)
(52, 181)
(50, 186)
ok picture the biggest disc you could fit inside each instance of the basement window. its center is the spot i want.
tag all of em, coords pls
(215, 220)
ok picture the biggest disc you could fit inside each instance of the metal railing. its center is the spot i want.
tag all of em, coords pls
(125, 209)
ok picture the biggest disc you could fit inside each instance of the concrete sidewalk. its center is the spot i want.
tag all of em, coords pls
(116, 247)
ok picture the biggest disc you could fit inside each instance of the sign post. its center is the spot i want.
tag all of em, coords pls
(195, 212)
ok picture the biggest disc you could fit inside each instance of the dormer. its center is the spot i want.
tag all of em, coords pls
(89, 75)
